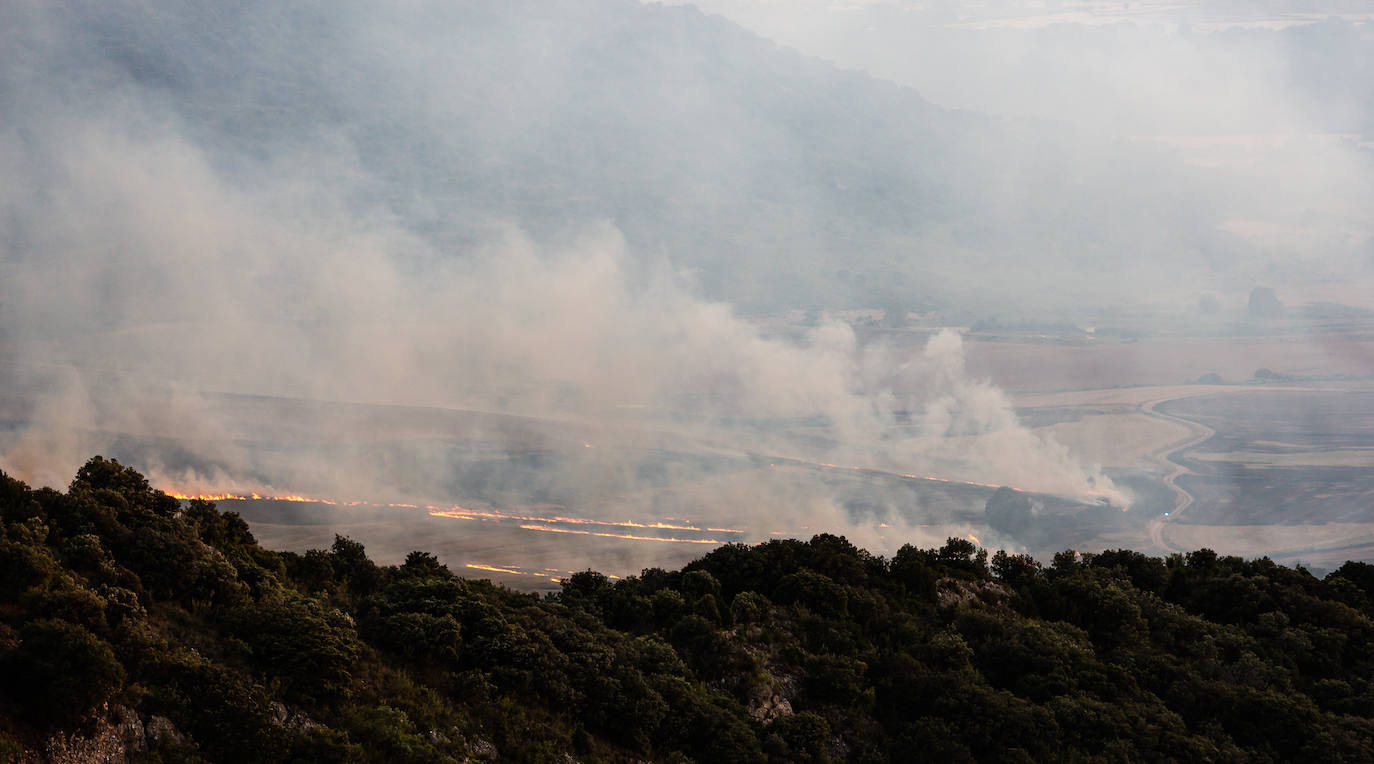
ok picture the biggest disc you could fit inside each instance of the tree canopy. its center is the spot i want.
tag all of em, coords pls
(119, 603)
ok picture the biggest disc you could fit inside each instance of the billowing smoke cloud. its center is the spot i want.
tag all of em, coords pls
(194, 282)
(150, 282)
(175, 278)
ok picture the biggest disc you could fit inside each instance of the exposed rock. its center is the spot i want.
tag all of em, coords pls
(768, 708)
(435, 736)
(110, 742)
(772, 699)
(294, 720)
(484, 748)
(955, 591)
(161, 730)
(303, 723)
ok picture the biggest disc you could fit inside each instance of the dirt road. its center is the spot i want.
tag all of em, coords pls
(1198, 433)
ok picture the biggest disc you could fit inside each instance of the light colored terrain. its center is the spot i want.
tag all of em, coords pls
(1119, 441)
(1143, 438)
(1119, 427)
(1338, 457)
(1122, 428)
(1198, 434)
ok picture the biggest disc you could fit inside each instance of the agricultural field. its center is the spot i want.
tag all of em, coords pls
(1280, 458)
(1282, 467)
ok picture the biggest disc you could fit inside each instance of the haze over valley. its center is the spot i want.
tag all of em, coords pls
(546, 286)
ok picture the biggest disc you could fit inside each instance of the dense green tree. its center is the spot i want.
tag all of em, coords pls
(60, 674)
(113, 601)
(295, 638)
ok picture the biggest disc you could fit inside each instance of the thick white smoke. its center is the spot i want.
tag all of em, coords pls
(163, 292)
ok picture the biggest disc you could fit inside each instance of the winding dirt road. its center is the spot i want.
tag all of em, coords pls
(1198, 433)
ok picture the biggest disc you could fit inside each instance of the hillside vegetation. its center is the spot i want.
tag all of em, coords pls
(132, 623)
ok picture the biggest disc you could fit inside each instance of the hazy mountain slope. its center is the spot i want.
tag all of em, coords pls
(699, 140)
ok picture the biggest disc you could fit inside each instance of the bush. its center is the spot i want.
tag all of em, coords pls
(60, 674)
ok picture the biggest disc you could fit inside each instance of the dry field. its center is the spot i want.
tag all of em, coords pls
(1342, 457)
(1043, 367)
(1283, 471)
(1110, 427)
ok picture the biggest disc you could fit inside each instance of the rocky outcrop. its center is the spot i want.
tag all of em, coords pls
(109, 743)
(956, 591)
(120, 737)
(160, 729)
(770, 707)
(771, 697)
(293, 720)
(483, 748)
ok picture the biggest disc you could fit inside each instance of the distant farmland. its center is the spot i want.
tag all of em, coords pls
(1280, 458)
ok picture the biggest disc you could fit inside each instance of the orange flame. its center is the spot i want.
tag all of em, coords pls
(515, 570)
(547, 529)
(470, 514)
(496, 569)
(253, 497)
(530, 522)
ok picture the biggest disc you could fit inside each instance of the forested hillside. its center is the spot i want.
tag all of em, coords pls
(139, 626)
